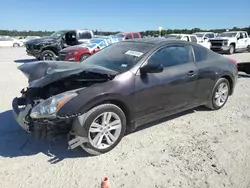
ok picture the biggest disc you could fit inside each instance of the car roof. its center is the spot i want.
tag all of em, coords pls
(201, 32)
(156, 41)
(232, 31)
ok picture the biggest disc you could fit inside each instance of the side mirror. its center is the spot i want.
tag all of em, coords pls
(151, 68)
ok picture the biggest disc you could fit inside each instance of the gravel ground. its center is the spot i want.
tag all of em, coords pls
(199, 148)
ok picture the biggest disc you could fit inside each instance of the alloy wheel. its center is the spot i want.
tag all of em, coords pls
(48, 57)
(221, 94)
(105, 130)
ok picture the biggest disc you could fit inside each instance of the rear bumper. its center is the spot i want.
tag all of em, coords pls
(20, 114)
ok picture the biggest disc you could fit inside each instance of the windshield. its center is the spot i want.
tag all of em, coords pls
(120, 35)
(228, 34)
(200, 35)
(57, 34)
(119, 57)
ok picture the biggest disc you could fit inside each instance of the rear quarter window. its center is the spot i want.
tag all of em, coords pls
(199, 54)
(193, 39)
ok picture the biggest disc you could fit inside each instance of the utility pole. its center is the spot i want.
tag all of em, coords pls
(160, 29)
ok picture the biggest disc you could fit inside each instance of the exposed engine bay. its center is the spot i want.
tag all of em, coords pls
(81, 80)
(33, 96)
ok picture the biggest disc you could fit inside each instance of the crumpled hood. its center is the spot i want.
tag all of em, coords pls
(41, 40)
(42, 73)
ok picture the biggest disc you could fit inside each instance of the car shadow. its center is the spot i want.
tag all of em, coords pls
(25, 60)
(243, 75)
(15, 142)
(165, 119)
(244, 67)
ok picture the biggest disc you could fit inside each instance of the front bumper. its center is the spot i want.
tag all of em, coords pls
(219, 48)
(66, 57)
(20, 114)
(36, 54)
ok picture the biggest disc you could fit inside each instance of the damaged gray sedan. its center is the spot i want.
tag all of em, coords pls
(123, 86)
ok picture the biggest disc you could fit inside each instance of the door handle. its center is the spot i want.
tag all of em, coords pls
(190, 74)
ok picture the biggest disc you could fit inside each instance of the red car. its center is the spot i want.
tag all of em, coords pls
(81, 52)
(128, 35)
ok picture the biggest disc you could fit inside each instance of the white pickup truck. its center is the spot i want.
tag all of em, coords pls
(190, 38)
(230, 42)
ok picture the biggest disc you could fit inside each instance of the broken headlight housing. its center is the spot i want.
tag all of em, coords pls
(49, 107)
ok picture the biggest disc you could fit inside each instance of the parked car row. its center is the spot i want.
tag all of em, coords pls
(226, 42)
(72, 45)
(82, 51)
(7, 41)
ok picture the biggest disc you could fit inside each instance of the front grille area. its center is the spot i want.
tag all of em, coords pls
(31, 47)
(62, 56)
(216, 43)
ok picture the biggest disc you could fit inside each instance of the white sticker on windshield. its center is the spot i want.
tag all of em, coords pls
(134, 53)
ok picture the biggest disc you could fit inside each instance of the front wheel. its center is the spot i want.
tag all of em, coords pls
(48, 55)
(231, 49)
(84, 56)
(105, 125)
(219, 95)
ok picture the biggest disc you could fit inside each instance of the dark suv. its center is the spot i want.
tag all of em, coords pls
(47, 48)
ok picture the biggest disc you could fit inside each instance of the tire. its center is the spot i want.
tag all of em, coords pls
(84, 56)
(48, 55)
(89, 117)
(248, 48)
(16, 45)
(231, 49)
(212, 103)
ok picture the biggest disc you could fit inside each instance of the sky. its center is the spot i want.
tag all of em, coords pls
(129, 15)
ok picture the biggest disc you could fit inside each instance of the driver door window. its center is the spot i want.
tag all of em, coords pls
(172, 55)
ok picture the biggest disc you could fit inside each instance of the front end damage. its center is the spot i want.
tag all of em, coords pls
(36, 109)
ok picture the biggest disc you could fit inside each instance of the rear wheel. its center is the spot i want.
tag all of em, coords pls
(84, 56)
(48, 55)
(16, 45)
(105, 125)
(219, 95)
(248, 48)
(231, 49)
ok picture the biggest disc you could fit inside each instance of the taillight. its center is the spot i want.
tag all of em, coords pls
(234, 61)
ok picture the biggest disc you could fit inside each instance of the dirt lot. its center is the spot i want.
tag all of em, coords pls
(199, 148)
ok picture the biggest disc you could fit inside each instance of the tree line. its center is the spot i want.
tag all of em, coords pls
(143, 33)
